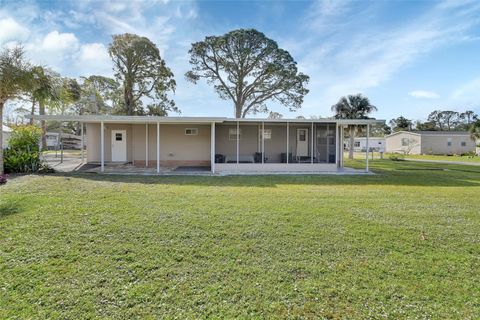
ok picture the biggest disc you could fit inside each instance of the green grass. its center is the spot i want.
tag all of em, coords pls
(453, 158)
(404, 243)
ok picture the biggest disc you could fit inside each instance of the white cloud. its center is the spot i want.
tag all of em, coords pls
(56, 41)
(11, 30)
(94, 59)
(423, 94)
(468, 92)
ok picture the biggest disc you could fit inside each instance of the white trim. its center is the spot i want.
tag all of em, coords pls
(158, 147)
(288, 141)
(212, 147)
(82, 133)
(337, 143)
(146, 144)
(238, 141)
(311, 146)
(366, 147)
(263, 142)
(102, 147)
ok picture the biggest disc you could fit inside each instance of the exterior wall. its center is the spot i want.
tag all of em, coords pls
(438, 144)
(375, 143)
(394, 143)
(275, 167)
(6, 137)
(250, 141)
(176, 148)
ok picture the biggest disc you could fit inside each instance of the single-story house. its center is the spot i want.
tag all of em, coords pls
(70, 141)
(360, 144)
(6, 135)
(430, 142)
(222, 145)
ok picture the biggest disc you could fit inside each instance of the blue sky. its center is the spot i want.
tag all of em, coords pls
(408, 57)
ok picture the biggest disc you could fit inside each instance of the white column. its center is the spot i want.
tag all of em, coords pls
(288, 141)
(83, 142)
(102, 147)
(311, 146)
(366, 153)
(342, 130)
(263, 142)
(158, 147)
(212, 147)
(238, 141)
(146, 144)
(337, 143)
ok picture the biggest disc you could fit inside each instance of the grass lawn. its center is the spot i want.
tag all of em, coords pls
(444, 158)
(404, 243)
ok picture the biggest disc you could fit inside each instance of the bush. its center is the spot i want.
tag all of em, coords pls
(3, 178)
(396, 157)
(23, 152)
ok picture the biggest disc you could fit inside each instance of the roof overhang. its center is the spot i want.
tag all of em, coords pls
(191, 120)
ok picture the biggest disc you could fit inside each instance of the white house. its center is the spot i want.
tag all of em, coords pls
(374, 144)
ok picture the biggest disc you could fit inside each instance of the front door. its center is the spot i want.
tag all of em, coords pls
(119, 145)
(302, 142)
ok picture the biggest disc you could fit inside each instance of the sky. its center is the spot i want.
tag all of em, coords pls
(408, 57)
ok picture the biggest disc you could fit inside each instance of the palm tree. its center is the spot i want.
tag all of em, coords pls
(353, 107)
(475, 131)
(44, 91)
(15, 79)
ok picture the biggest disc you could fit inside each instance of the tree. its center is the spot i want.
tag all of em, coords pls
(353, 107)
(425, 126)
(249, 69)
(436, 118)
(142, 73)
(15, 79)
(401, 123)
(275, 115)
(469, 117)
(475, 130)
(99, 95)
(44, 89)
(449, 119)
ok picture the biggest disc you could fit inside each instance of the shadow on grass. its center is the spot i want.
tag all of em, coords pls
(9, 207)
(387, 173)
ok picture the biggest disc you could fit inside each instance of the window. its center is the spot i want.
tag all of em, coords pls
(356, 144)
(463, 144)
(449, 142)
(118, 136)
(302, 135)
(191, 131)
(267, 134)
(232, 134)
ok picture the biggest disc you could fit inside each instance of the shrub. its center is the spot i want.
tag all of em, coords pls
(396, 157)
(23, 152)
(3, 178)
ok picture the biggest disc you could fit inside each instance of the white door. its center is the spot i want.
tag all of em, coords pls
(119, 145)
(302, 142)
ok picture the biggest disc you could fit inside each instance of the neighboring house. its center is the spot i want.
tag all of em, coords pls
(430, 142)
(216, 144)
(6, 135)
(360, 144)
(70, 141)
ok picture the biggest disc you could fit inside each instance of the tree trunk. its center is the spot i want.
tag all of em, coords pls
(41, 111)
(238, 111)
(32, 112)
(1, 137)
(351, 132)
(128, 97)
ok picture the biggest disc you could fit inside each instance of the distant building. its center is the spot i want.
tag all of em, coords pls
(430, 142)
(360, 144)
(70, 141)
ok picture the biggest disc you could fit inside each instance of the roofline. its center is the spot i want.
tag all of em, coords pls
(155, 119)
(430, 133)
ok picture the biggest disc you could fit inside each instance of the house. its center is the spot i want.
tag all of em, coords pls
(70, 141)
(6, 135)
(360, 144)
(430, 142)
(220, 145)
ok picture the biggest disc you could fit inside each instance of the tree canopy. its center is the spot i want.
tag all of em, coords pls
(353, 107)
(142, 72)
(249, 69)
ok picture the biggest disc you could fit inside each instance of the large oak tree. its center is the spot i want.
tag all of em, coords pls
(139, 67)
(249, 69)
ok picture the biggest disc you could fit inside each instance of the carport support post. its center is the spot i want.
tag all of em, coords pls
(102, 147)
(337, 144)
(146, 144)
(158, 147)
(238, 141)
(366, 152)
(263, 142)
(212, 147)
(288, 140)
(311, 146)
(83, 142)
